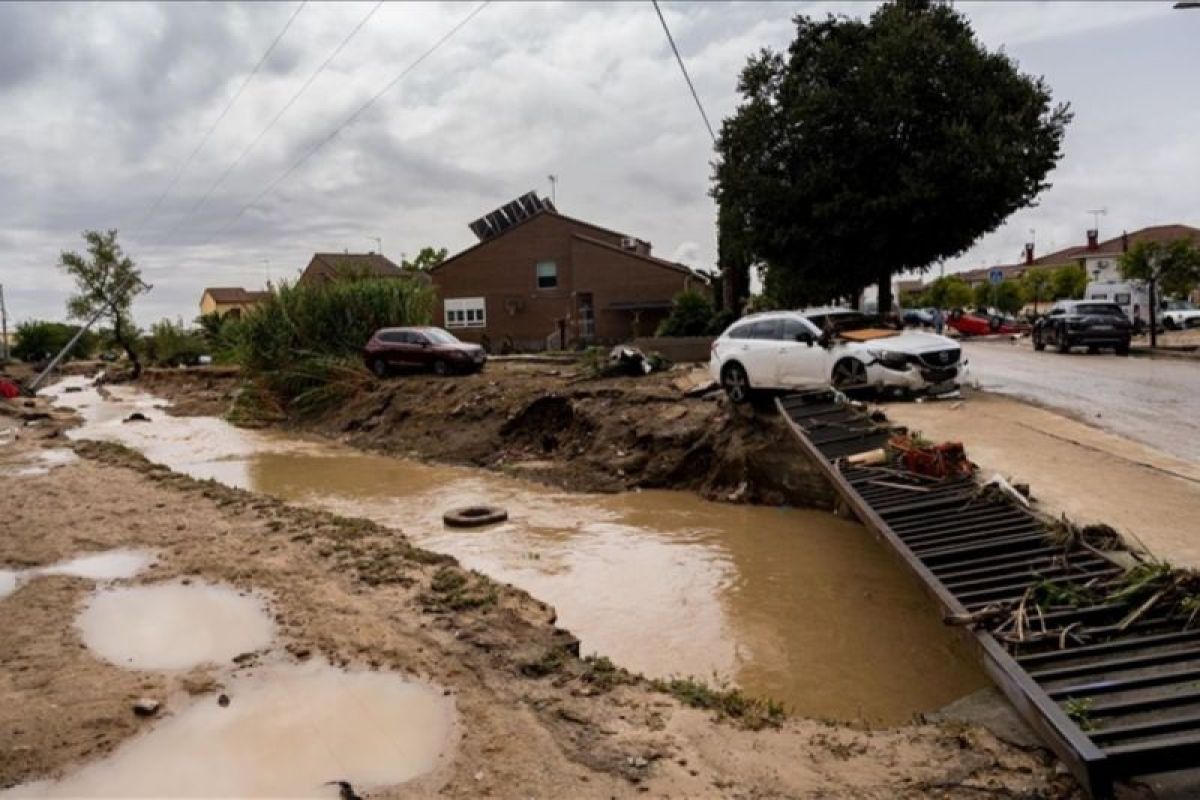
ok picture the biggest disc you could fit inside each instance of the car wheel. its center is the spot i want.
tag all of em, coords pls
(1123, 348)
(1169, 324)
(1038, 344)
(1064, 343)
(441, 368)
(849, 373)
(736, 383)
(379, 367)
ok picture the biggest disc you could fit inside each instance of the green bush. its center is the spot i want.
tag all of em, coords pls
(691, 315)
(170, 344)
(304, 342)
(40, 340)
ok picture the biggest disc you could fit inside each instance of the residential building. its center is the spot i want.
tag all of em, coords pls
(328, 267)
(539, 279)
(233, 301)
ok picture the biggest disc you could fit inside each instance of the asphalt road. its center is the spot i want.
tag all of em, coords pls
(1155, 401)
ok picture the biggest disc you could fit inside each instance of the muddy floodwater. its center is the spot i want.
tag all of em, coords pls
(173, 625)
(369, 727)
(798, 605)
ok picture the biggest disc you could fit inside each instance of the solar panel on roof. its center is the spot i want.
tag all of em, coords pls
(509, 214)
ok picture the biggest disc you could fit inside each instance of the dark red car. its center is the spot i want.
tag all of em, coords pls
(973, 323)
(421, 349)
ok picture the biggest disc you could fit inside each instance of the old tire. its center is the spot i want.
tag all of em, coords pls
(474, 516)
(736, 383)
(440, 367)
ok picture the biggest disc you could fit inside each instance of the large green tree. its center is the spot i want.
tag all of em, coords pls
(106, 281)
(872, 148)
(1173, 266)
(1038, 285)
(948, 291)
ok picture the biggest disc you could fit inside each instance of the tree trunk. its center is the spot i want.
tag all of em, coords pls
(130, 351)
(883, 304)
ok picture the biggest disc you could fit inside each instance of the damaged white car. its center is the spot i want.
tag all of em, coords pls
(781, 350)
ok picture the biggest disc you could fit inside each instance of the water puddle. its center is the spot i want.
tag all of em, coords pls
(40, 462)
(287, 732)
(798, 605)
(8, 582)
(173, 626)
(111, 565)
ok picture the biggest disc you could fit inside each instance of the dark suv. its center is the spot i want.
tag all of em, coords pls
(421, 349)
(1083, 323)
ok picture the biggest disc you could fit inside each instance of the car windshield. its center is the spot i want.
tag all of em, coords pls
(838, 321)
(439, 336)
(1099, 308)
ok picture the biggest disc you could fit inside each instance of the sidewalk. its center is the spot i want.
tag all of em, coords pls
(1091, 475)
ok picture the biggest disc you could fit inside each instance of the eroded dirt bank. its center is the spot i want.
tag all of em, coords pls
(544, 422)
(533, 719)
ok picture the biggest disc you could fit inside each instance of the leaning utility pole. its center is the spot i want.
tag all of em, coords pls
(3, 328)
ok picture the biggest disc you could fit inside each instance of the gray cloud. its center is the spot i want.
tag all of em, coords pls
(104, 101)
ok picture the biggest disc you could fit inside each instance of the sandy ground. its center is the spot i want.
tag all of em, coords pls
(534, 721)
(1073, 468)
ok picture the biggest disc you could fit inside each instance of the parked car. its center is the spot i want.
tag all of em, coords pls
(1083, 323)
(918, 317)
(850, 350)
(421, 349)
(976, 323)
(1178, 314)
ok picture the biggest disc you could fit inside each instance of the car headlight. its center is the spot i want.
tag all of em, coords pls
(891, 359)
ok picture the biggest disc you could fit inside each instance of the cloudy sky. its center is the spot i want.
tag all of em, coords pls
(104, 104)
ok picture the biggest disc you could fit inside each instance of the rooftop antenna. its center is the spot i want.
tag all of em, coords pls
(267, 262)
(1097, 213)
(378, 240)
(553, 188)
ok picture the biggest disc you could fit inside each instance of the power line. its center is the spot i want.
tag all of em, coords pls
(683, 69)
(204, 140)
(350, 119)
(220, 180)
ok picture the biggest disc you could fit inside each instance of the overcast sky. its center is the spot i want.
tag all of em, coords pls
(104, 103)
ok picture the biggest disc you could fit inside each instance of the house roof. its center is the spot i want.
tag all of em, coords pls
(372, 263)
(234, 294)
(658, 262)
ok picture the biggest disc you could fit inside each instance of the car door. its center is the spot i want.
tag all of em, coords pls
(760, 352)
(799, 360)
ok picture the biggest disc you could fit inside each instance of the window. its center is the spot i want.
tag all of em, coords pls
(767, 329)
(741, 331)
(793, 329)
(547, 275)
(466, 312)
(1122, 299)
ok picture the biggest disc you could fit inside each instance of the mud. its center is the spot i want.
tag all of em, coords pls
(288, 731)
(553, 426)
(173, 625)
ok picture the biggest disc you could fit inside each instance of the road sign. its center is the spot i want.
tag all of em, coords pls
(995, 276)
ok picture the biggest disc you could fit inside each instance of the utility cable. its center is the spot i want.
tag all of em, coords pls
(204, 139)
(250, 147)
(350, 119)
(683, 69)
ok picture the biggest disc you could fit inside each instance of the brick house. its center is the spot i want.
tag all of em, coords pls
(229, 300)
(329, 267)
(542, 277)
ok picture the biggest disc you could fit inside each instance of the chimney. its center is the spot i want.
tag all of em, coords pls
(1093, 236)
(1125, 241)
(1028, 253)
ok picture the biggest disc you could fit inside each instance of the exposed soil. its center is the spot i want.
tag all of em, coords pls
(534, 719)
(544, 421)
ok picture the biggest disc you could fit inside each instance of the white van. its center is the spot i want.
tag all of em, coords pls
(1126, 294)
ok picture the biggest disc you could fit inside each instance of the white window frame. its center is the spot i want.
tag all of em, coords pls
(465, 312)
(537, 276)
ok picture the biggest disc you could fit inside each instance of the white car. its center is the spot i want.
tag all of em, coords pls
(1179, 315)
(782, 350)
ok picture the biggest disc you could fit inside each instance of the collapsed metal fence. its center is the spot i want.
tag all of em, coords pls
(1094, 648)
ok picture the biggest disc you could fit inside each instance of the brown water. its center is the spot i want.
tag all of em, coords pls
(173, 626)
(373, 728)
(798, 605)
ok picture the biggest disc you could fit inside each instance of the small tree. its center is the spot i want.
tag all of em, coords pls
(1038, 285)
(425, 260)
(691, 315)
(1007, 297)
(948, 291)
(106, 282)
(38, 340)
(1069, 282)
(1174, 266)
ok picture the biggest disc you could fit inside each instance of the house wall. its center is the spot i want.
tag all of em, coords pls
(504, 272)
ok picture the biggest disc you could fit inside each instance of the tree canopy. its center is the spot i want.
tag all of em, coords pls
(948, 291)
(426, 259)
(106, 281)
(1175, 266)
(1038, 285)
(873, 148)
(1068, 282)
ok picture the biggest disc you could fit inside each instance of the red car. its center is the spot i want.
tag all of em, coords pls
(421, 349)
(971, 323)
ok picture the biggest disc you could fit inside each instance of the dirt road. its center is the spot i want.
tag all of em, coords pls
(1149, 400)
(531, 718)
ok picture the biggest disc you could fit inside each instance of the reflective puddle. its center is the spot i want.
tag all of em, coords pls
(173, 626)
(288, 731)
(39, 462)
(798, 605)
(8, 582)
(111, 565)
